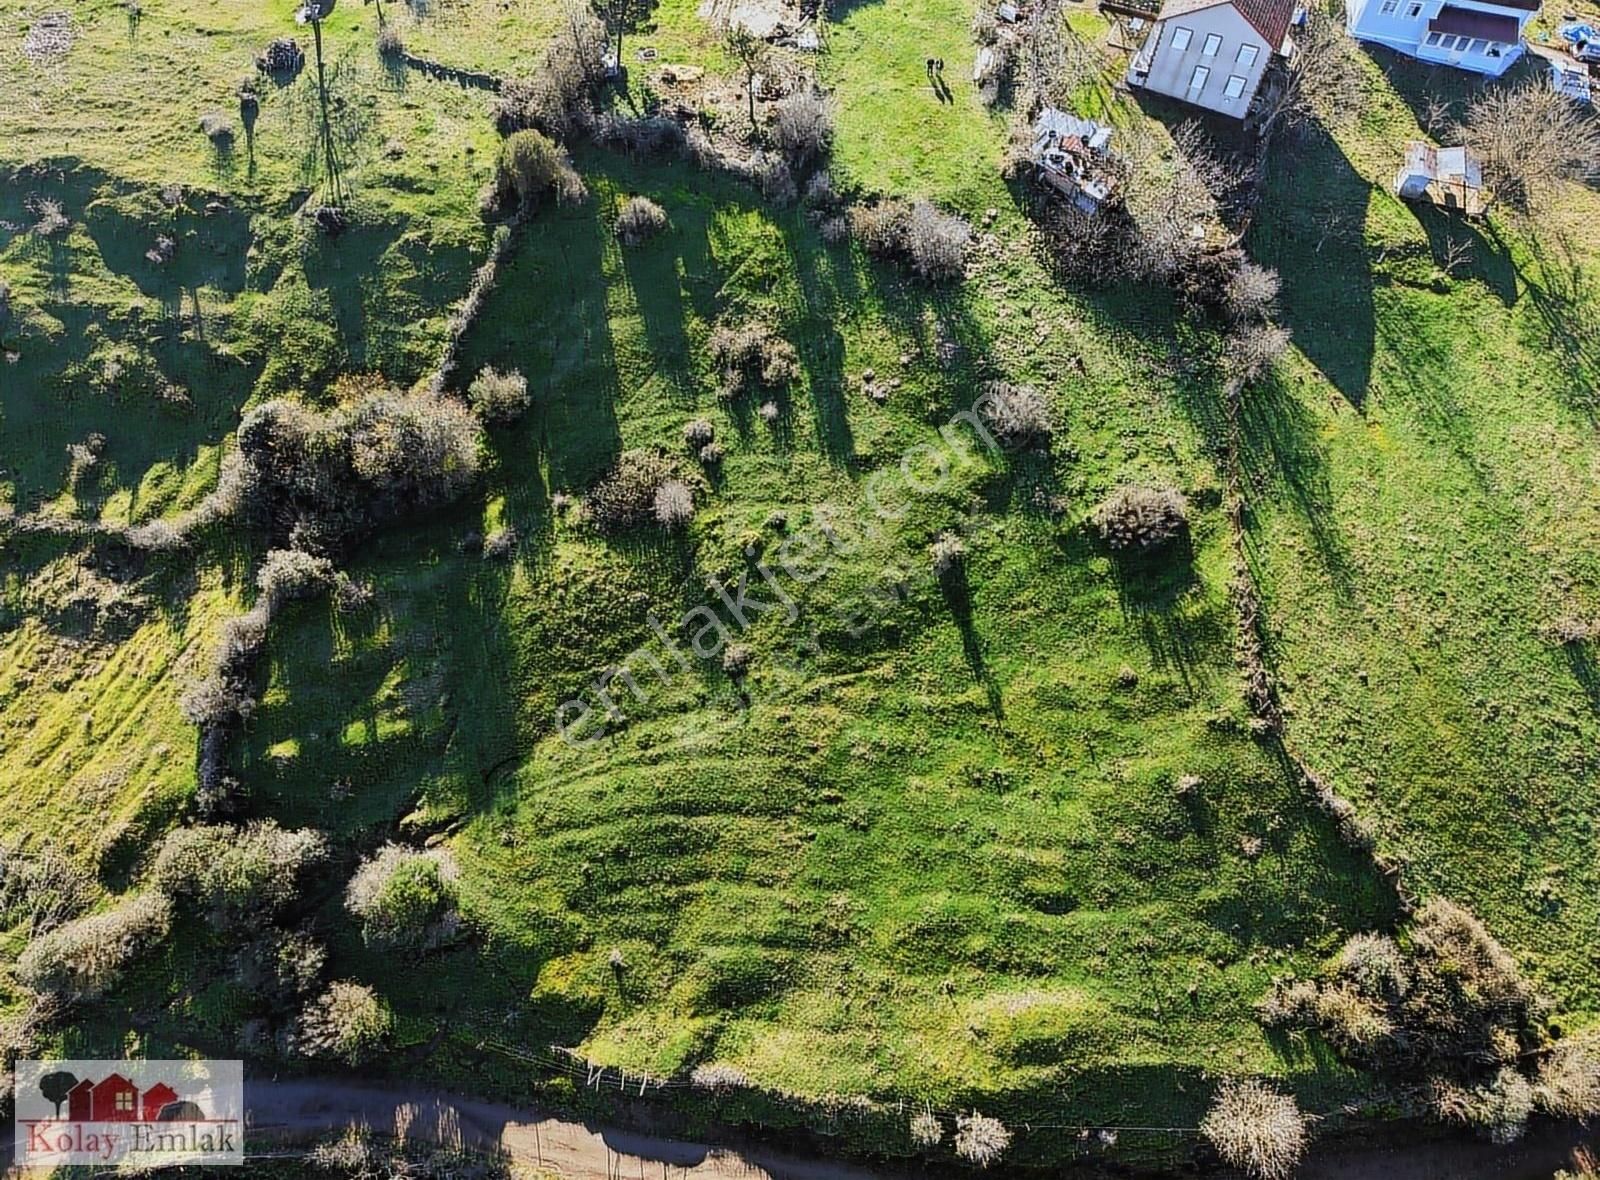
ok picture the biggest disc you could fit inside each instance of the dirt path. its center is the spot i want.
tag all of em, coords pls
(581, 1151)
(575, 1150)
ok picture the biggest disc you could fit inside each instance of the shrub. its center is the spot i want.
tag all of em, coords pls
(217, 127)
(1498, 1109)
(981, 1139)
(1352, 1022)
(531, 165)
(674, 505)
(698, 433)
(936, 242)
(820, 193)
(497, 397)
(1254, 349)
(751, 354)
(712, 454)
(390, 42)
(347, 1023)
(933, 243)
(83, 958)
(500, 544)
(770, 413)
(1374, 964)
(558, 99)
(50, 218)
(288, 575)
(1251, 294)
(646, 135)
(835, 230)
(802, 126)
(736, 659)
(1255, 1129)
(281, 56)
(640, 219)
(1018, 414)
(773, 176)
(1567, 1083)
(1289, 1005)
(413, 450)
(404, 898)
(280, 966)
(237, 875)
(881, 228)
(42, 888)
(949, 553)
(1139, 518)
(925, 1129)
(215, 700)
(626, 497)
(718, 1078)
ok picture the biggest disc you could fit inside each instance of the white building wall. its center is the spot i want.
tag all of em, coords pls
(1172, 69)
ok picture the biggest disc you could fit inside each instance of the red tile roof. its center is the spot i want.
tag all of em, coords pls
(1467, 22)
(1270, 18)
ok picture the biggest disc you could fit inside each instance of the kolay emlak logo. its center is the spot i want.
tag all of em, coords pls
(145, 1113)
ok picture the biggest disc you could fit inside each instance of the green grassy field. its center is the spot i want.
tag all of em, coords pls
(942, 858)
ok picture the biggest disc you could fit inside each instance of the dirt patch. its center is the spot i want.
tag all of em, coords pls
(49, 38)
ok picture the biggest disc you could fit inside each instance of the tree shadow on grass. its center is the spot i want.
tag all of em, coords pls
(1468, 250)
(1279, 447)
(1567, 297)
(1156, 591)
(1311, 229)
(957, 594)
(548, 319)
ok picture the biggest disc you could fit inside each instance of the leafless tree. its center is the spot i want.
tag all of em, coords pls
(622, 16)
(751, 52)
(1321, 82)
(1054, 62)
(1173, 199)
(1531, 139)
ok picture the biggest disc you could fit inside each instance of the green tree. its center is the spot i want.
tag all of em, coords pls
(751, 53)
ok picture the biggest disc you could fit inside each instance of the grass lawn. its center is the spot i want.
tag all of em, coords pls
(939, 858)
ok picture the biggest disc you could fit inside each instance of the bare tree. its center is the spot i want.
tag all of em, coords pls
(751, 52)
(1054, 62)
(1321, 81)
(1173, 199)
(622, 16)
(1531, 139)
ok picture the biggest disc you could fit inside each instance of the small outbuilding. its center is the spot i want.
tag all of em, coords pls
(1072, 155)
(1451, 178)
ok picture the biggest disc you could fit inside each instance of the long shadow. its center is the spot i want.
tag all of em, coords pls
(1311, 229)
(1279, 447)
(1567, 299)
(548, 319)
(1154, 590)
(957, 593)
(1468, 249)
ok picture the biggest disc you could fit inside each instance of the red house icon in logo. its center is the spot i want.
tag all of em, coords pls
(156, 1097)
(115, 1100)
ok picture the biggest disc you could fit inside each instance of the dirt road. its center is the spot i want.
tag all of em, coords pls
(584, 1152)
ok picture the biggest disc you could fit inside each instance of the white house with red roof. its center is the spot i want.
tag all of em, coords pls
(1213, 53)
(1484, 36)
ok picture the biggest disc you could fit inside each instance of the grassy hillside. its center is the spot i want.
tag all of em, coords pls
(934, 846)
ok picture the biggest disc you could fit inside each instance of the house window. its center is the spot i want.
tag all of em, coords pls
(1213, 43)
(1181, 38)
(124, 1100)
(1235, 86)
(1247, 55)
(1390, 7)
(1477, 45)
(1433, 39)
(1197, 80)
(1413, 11)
